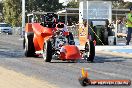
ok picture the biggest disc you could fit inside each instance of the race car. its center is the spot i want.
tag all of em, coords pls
(49, 38)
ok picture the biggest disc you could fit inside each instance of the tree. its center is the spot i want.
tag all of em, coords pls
(1, 7)
(43, 5)
(115, 4)
(74, 18)
(12, 12)
(1, 12)
(12, 8)
(30, 5)
(73, 4)
(120, 4)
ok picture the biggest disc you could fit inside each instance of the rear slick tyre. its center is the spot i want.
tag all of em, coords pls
(28, 45)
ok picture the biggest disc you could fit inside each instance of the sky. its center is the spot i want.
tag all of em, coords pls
(127, 0)
(65, 1)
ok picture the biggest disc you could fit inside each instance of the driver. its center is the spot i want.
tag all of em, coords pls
(62, 27)
(69, 36)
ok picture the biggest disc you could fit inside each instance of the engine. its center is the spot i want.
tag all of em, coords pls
(60, 40)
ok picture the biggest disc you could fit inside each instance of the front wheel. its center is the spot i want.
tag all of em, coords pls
(90, 49)
(47, 51)
(71, 39)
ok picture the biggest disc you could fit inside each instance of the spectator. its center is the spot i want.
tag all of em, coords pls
(129, 25)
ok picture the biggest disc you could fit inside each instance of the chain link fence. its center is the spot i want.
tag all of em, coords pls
(74, 29)
(16, 30)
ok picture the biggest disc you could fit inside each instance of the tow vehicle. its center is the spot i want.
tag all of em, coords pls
(47, 36)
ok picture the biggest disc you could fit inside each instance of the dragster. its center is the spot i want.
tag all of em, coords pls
(49, 37)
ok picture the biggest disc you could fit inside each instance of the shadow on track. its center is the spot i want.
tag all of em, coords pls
(11, 54)
(100, 59)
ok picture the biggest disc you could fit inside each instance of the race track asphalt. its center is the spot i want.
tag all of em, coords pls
(62, 73)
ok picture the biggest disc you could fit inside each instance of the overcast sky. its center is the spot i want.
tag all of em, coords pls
(65, 1)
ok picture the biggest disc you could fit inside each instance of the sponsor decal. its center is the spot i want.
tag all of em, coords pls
(85, 81)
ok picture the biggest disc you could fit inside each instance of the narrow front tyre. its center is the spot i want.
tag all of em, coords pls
(90, 50)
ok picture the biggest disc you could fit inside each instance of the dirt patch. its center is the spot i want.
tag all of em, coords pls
(11, 79)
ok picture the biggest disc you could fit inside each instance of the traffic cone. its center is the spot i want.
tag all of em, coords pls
(84, 73)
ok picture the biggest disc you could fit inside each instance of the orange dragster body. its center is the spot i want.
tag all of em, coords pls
(43, 38)
(53, 41)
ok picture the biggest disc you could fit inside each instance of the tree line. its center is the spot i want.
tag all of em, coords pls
(11, 9)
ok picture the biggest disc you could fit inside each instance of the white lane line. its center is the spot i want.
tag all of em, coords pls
(102, 72)
(108, 73)
(20, 39)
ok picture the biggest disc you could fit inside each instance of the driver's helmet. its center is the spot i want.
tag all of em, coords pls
(50, 17)
(60, 25)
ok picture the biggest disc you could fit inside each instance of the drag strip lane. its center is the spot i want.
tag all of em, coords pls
(62, 73)
(55, 73)
(11, 79)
